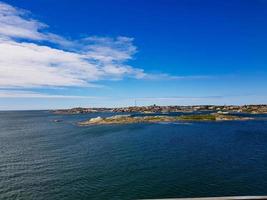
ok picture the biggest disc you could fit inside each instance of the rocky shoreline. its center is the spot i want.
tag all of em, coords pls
(251, 109)
(128, 119)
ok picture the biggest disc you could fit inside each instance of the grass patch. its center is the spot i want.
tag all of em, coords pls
(197, 117)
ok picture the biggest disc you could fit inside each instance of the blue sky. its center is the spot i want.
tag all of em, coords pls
(111, 53)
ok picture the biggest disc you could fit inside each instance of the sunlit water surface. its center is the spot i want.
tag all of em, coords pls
(41, 159)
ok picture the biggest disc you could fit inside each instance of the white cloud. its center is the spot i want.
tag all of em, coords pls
(31, 65)
(30, 94)
(14, 23)
(27, 61)
(164, 76)
(31, 56)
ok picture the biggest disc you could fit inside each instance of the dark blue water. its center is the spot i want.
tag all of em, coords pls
(41, 159)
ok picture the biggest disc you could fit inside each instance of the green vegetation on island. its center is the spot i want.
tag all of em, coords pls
(128, 119)
(198, 117)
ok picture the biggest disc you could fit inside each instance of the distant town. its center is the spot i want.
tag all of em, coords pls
(222, 109)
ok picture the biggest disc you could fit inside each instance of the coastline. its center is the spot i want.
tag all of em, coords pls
(220, 109)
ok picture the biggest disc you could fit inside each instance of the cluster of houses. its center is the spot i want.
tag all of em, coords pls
(155, 109)
(254, 109)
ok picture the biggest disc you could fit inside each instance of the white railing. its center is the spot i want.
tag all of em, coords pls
(219, 198)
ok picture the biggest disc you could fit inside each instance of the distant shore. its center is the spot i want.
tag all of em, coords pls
(252, 109)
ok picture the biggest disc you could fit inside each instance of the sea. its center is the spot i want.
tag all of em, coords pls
(47, 156)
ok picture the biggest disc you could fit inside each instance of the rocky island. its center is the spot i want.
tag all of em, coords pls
(128, 119)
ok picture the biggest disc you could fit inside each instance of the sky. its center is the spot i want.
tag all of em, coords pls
(112, 53)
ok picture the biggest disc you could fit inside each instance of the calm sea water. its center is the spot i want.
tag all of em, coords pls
(41, 159)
